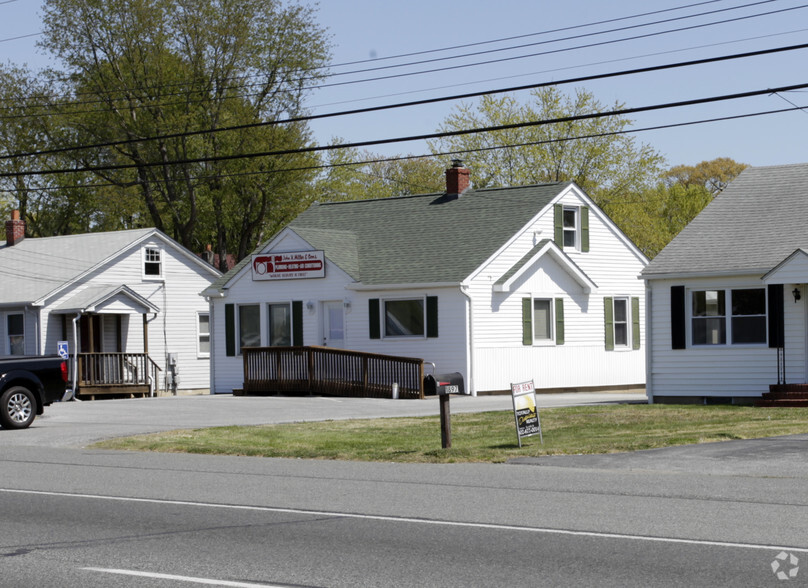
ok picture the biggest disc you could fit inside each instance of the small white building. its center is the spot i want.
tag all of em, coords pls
(126, 303)
(502, 285)
(726, 298)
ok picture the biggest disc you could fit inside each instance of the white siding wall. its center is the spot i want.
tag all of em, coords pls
(720, 370)
(500, 358)
(447, 351)
(172, 330)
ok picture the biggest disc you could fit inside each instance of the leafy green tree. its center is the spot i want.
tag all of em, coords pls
(139, 69)
(605, 164)
(714, 175)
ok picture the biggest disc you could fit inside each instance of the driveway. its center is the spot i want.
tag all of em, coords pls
(77, 424)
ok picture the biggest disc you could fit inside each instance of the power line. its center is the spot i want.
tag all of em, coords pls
(327, 85)
(366, 110)
(515, 37)
(574, 37)
(438, 135)
(422, 156)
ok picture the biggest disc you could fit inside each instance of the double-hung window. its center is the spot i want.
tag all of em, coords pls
(152, 263)
(542, 319)
(738, 316)
(622, 322)
(203, 334)
(570, 225)
(15, 329)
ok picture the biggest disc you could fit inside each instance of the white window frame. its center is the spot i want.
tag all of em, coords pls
(575, 230)
(269, 306)
(628, 322)
(551, 340)
(383, 309)
(727, 317)
(8, 333)
(200, 336)
(148, 250)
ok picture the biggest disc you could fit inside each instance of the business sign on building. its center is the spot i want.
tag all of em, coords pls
(294, 265)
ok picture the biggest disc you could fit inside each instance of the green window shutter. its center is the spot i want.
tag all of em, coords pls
(776, 316)
(558, 223)
(635, 323)
(678, 327)
(230, 329)
(373, 319)
(431, 316)
(559, 320)
(608, 315)
(297, 323)
(527, 321)
(584, 229)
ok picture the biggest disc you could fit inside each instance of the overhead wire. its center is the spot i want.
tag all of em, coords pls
(420, 156)
(407, 74)
(421, 137)
(313, 117)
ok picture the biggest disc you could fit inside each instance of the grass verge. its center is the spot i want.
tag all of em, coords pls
(482, 437)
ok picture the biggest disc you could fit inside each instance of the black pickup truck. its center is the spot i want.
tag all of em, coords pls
(27, 386)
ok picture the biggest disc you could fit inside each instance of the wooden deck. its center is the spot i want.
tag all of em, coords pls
(330, 372)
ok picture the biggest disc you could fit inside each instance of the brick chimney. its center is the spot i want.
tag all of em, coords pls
(15, 229)
(457, 178)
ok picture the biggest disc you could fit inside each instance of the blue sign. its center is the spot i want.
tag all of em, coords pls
(61, 349)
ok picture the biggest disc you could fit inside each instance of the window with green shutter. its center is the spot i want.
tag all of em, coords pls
(542, 321)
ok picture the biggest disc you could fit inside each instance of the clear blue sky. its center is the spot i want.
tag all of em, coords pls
(362, 29)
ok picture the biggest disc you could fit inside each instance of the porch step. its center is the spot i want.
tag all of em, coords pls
(785, 395)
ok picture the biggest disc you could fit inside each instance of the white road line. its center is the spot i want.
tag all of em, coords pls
(394, 519)
(182, 578)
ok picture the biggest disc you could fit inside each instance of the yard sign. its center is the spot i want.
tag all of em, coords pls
(525, 411)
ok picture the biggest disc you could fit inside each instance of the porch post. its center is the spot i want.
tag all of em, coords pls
(145, 335)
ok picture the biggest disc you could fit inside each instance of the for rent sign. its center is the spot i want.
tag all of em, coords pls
(288, 266)
(526, 411)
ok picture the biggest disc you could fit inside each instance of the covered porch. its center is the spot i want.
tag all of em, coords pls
(786, 286)
(100, 324)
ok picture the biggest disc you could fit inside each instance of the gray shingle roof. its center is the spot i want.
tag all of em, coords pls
(755, 223)
(429, 238)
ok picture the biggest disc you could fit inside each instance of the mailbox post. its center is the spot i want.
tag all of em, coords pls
(444, 385)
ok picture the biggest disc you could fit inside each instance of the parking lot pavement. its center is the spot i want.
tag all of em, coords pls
(77, 424)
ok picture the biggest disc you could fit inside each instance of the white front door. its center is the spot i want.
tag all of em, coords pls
(333, 325)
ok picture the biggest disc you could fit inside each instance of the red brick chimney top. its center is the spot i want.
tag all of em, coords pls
(457, 178)
(15, 229)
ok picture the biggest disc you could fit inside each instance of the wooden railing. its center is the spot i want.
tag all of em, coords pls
(331, 372)
(118, 370)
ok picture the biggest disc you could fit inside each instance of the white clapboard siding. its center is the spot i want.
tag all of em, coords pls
(725, 370)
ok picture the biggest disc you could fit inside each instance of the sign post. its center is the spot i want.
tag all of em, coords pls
(526, 411)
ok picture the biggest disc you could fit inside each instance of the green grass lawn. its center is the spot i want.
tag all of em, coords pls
(483, 437)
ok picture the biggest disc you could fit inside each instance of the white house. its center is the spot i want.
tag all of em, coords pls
(126, 303)
(502, 285)
(726, 298)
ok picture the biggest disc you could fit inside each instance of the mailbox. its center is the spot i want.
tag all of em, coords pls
(444, 384)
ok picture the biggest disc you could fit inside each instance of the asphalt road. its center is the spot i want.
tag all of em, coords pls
(724, 514)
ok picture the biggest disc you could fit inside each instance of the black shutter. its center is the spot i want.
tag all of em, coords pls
(678, 330)
(297, 323)
(373, 319)
(230, 329)
(431, 316)
(776, 318)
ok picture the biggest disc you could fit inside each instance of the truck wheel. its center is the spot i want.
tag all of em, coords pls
(17, 408)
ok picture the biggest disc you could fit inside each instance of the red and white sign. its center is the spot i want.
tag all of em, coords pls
(288, 266)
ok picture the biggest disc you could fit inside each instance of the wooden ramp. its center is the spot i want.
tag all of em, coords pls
(330, 372)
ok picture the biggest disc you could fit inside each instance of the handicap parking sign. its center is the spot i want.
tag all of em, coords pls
(61, 349)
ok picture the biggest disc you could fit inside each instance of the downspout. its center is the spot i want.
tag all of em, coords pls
(649, 357)
(470, 346)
